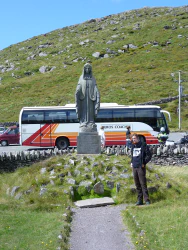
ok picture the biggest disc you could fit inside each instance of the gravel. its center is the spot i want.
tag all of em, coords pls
(99, 228)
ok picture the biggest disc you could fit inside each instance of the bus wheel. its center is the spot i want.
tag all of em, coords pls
(142, 138)
(62, 143)
(4, 143)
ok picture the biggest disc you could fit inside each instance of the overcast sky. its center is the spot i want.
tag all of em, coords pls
(23, 19)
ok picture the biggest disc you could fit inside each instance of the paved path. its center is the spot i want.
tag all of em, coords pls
(176, 136)
(15, 148)
(99, 228)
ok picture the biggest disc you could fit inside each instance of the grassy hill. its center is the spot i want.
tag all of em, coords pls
(146, 71)
(34, 201)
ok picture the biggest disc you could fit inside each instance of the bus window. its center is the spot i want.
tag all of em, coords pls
(24, 118)
(72, 116)
(146, 116)
(145, 113)
(32, 117)
(121, 115)
(118, 115)
(40, 118)
(62, 116)
(47, 117)
(104, 115)
(161, 122)
(55, 116)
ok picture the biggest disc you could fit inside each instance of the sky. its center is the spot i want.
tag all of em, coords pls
(24, 19)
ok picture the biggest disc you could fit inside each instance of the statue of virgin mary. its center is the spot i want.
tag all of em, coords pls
(87, 99)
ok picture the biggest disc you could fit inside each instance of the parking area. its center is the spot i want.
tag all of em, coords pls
(174, 136)
(17, 148)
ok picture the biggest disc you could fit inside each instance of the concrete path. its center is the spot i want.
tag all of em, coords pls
(99, 228)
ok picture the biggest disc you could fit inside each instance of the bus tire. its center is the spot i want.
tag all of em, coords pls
(4, 143)
(62, 143)
(142, 138)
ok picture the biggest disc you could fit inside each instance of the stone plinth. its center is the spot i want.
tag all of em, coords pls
(88, 143)
(96, 202)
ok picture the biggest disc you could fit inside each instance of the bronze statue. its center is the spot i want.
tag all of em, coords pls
(87, 100)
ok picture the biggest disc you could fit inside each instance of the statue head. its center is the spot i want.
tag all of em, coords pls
(87, 72)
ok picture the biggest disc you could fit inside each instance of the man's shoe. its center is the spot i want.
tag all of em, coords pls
(147, 202)
(139, 203)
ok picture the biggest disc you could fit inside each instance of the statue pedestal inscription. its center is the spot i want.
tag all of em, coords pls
(88, 143)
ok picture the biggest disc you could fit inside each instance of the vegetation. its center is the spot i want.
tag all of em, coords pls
(163, 224)
(37, 215)
(27, 229)
(32, 219)
(144, 73)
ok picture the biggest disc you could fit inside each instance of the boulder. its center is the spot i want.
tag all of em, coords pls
(42, 54)
(99, 188)
(96, 54)
(14, 190)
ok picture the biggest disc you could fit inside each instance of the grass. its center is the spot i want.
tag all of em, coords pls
(26, 229)
(34, 221)
(144, 73)
(162, 225)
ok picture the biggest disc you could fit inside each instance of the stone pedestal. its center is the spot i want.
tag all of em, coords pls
(88, 143)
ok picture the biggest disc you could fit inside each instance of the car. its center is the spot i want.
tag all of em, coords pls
(2, 130)
(10, 136)
(183, 140)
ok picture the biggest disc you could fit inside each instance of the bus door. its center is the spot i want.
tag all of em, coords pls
(46, 130)
(46, 135)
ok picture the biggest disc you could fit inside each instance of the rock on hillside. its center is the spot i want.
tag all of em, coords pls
(70, 42)
(129, 51)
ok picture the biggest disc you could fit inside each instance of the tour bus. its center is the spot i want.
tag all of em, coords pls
(59, 126)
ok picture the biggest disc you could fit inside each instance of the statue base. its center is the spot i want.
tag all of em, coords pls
(88, 143)
(88, 127)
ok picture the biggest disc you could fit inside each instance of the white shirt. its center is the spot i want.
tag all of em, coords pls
(101, 133)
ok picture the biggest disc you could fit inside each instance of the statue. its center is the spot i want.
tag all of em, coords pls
(87, 100)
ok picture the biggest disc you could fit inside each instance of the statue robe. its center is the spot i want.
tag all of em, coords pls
(87, 100)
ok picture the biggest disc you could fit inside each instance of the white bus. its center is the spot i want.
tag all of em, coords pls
(59, 126)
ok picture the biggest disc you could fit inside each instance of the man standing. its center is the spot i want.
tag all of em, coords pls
(162, 136)
(128, 137)
(140, 156)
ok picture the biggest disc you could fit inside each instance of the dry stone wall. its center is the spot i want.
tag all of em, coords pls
(163, 100)
(161, 155)
(9, 162)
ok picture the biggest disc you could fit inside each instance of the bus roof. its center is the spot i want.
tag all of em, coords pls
(102, 105)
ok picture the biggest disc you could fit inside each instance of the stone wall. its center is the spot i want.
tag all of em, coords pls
(10, 162)
(163, 100)
(161, 155)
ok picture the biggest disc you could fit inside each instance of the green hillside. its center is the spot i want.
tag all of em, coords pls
(146, 71)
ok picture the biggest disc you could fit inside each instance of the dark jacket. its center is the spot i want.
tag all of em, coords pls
(128, 134)
(140, 154)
